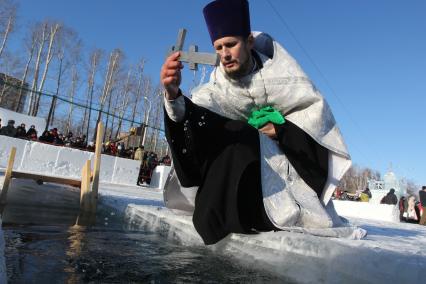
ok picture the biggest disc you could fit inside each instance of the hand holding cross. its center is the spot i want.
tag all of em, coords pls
(170, 72)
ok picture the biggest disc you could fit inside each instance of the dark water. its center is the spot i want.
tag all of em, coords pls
(53, 250)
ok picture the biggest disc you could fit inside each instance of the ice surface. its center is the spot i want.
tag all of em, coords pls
(390, 253)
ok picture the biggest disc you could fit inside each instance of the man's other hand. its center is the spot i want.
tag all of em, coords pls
(269, 130)
(170, 75)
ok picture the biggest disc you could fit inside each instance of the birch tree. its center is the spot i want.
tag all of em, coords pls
(7, 21)
(30, 49)
(95, 57)
(124, 103)
(40, 34)
(71, 96)
(112, 69)
(53, 30)
(138, 92)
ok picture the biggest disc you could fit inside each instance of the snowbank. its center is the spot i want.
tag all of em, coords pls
(367, 210)
(38, 122)
(65, 162)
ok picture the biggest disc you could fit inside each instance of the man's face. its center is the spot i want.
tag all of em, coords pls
(234, 54)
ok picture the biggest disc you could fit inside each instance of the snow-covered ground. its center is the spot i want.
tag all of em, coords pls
(390, 253)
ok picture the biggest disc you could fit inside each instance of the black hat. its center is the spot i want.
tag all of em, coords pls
(227, 18)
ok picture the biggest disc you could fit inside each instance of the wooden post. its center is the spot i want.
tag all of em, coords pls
(8, 176)
(85, 187)
(96, 167)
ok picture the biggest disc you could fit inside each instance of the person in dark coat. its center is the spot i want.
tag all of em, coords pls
(422, 196)
(46, 137)
(31, 131)
(390, 198)
(21, 132)
(9, 129)
(218, 150)
(368, 192)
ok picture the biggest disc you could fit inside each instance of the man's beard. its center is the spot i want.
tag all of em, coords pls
(242, 71)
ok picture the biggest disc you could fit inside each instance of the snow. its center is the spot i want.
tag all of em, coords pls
(367, 210)
(38, 122)
(390, 253)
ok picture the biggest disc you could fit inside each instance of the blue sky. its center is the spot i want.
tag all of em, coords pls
(368, 58)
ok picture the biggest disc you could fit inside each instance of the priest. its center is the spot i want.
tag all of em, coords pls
(256, 148)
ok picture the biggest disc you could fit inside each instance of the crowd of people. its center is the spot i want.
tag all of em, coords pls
(149, 159)
(411, 208)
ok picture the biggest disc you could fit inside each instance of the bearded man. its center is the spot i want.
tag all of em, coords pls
(257, 147)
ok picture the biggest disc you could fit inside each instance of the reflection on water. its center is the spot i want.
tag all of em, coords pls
(105, 253)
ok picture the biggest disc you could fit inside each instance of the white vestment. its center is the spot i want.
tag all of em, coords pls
(282, 84)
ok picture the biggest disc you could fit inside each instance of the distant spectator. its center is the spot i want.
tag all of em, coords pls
(21, 132)
(422, 196)
(33, 137)
(46, 137)
(402, 208)
(390, 198)
(59, 139)
(121, 150)
(84, 141)
(368, 192)
(411, 214)
(166, 160)
(68, 140)
(31, 131)
(78, 143)
(91, 146)
(9, 130)
(0, 123)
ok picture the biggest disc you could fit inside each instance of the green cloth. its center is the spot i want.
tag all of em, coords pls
(259, 118)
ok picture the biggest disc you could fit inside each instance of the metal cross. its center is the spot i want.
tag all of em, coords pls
(193, 57)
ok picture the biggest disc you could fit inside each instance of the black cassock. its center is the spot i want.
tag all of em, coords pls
(222, 157)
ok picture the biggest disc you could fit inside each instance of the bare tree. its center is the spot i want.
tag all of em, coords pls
(112, 69)
(7, 21)
(94, 64)
(124, 103)
(54, 28)
(40, 34)
(31, 49)
(138, 92)
(71, 96)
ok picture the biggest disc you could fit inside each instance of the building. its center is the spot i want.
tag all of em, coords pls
(12, 96)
